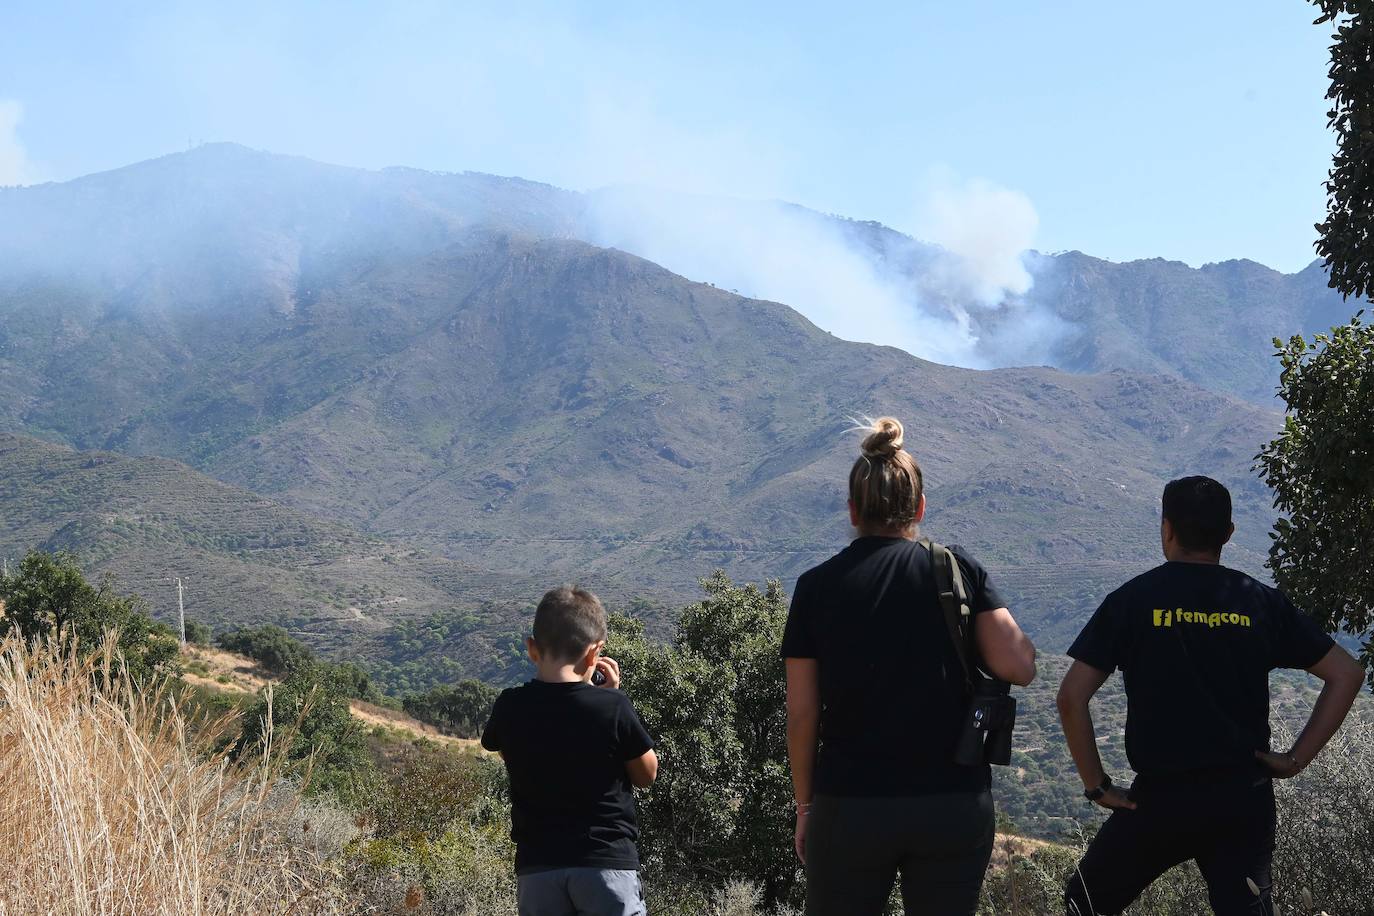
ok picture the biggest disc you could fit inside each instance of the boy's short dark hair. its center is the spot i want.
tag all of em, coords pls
(1199, 509)
(567, 621)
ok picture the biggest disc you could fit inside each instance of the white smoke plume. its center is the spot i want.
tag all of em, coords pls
(987, 230)
(770, 250)
(858, 281)
(15, 167)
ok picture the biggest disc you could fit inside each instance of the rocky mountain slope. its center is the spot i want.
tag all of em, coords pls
(1213, 326)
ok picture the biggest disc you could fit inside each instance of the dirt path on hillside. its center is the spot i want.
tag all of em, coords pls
(391, 718)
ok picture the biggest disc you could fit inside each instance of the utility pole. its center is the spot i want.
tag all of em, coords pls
(181, 611)
(181, 605)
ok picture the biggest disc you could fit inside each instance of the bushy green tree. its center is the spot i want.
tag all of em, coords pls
(270, 646)
(49, 595)
(309, 711)
(354, 681)
(1321, 469)
(1347, 233)
(715, 702)
(461, 709)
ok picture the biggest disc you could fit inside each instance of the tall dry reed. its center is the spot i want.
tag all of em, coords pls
(109, 803)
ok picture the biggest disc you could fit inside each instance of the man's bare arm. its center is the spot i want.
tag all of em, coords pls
(1342, 679)
(1080, 684)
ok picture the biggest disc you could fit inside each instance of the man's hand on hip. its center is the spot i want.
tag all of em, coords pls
(1280, 766)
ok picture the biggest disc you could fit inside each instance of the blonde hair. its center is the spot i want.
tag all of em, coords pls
(885, 483)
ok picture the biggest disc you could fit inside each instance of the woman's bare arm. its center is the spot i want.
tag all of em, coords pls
(803, 736)
(1006, 651)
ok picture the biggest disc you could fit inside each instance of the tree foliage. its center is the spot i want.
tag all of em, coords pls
(1347, 234)
(714, 700)
(281, 654)
(1321, 469)
(461, 710)
(270, 646)
(49, 596)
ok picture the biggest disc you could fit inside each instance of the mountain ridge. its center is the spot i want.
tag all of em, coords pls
(271, 214)
(516, 406)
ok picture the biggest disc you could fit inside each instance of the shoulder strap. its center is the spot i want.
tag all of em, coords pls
(949, 584)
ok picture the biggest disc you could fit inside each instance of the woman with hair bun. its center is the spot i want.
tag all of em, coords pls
(875, 702)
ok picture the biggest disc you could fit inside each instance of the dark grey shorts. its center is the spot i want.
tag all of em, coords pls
(939, 845)
(581, 892)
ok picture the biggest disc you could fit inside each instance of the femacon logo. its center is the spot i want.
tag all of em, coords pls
(1167, 618)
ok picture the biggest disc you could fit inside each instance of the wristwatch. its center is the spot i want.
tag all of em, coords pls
(1095, 794)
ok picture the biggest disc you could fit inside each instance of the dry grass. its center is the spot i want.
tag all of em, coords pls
(109, 806)
(1326, 825)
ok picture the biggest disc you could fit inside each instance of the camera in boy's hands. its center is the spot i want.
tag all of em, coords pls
(606, 673)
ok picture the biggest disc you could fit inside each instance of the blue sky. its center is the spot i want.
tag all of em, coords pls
(1183, 130)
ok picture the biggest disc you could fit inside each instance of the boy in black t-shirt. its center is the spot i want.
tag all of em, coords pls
(573, 746)
(1195, 643)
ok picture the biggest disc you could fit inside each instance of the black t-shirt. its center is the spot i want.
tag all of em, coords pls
(1195, 643)
(891, 686)
(565, 747)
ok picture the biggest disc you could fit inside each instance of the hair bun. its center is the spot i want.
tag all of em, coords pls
(885, 440)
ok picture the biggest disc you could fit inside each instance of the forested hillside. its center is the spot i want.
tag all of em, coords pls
(244, 559)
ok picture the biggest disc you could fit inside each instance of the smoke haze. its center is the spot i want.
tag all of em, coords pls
(593, 102)
(14, 161)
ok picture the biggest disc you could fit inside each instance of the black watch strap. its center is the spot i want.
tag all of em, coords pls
(1095, 794)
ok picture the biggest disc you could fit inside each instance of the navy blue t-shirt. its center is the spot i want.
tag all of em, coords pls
(891, 685)
(1195, 643)
(565, 747)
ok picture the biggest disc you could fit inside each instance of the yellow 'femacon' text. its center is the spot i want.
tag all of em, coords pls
(1168, 618)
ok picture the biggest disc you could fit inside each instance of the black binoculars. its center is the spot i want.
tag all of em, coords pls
(985, 736)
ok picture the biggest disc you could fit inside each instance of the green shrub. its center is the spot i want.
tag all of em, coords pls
(1326, 825)
(435, 788)
(325, 744)
(198, 634)
(440, 837)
